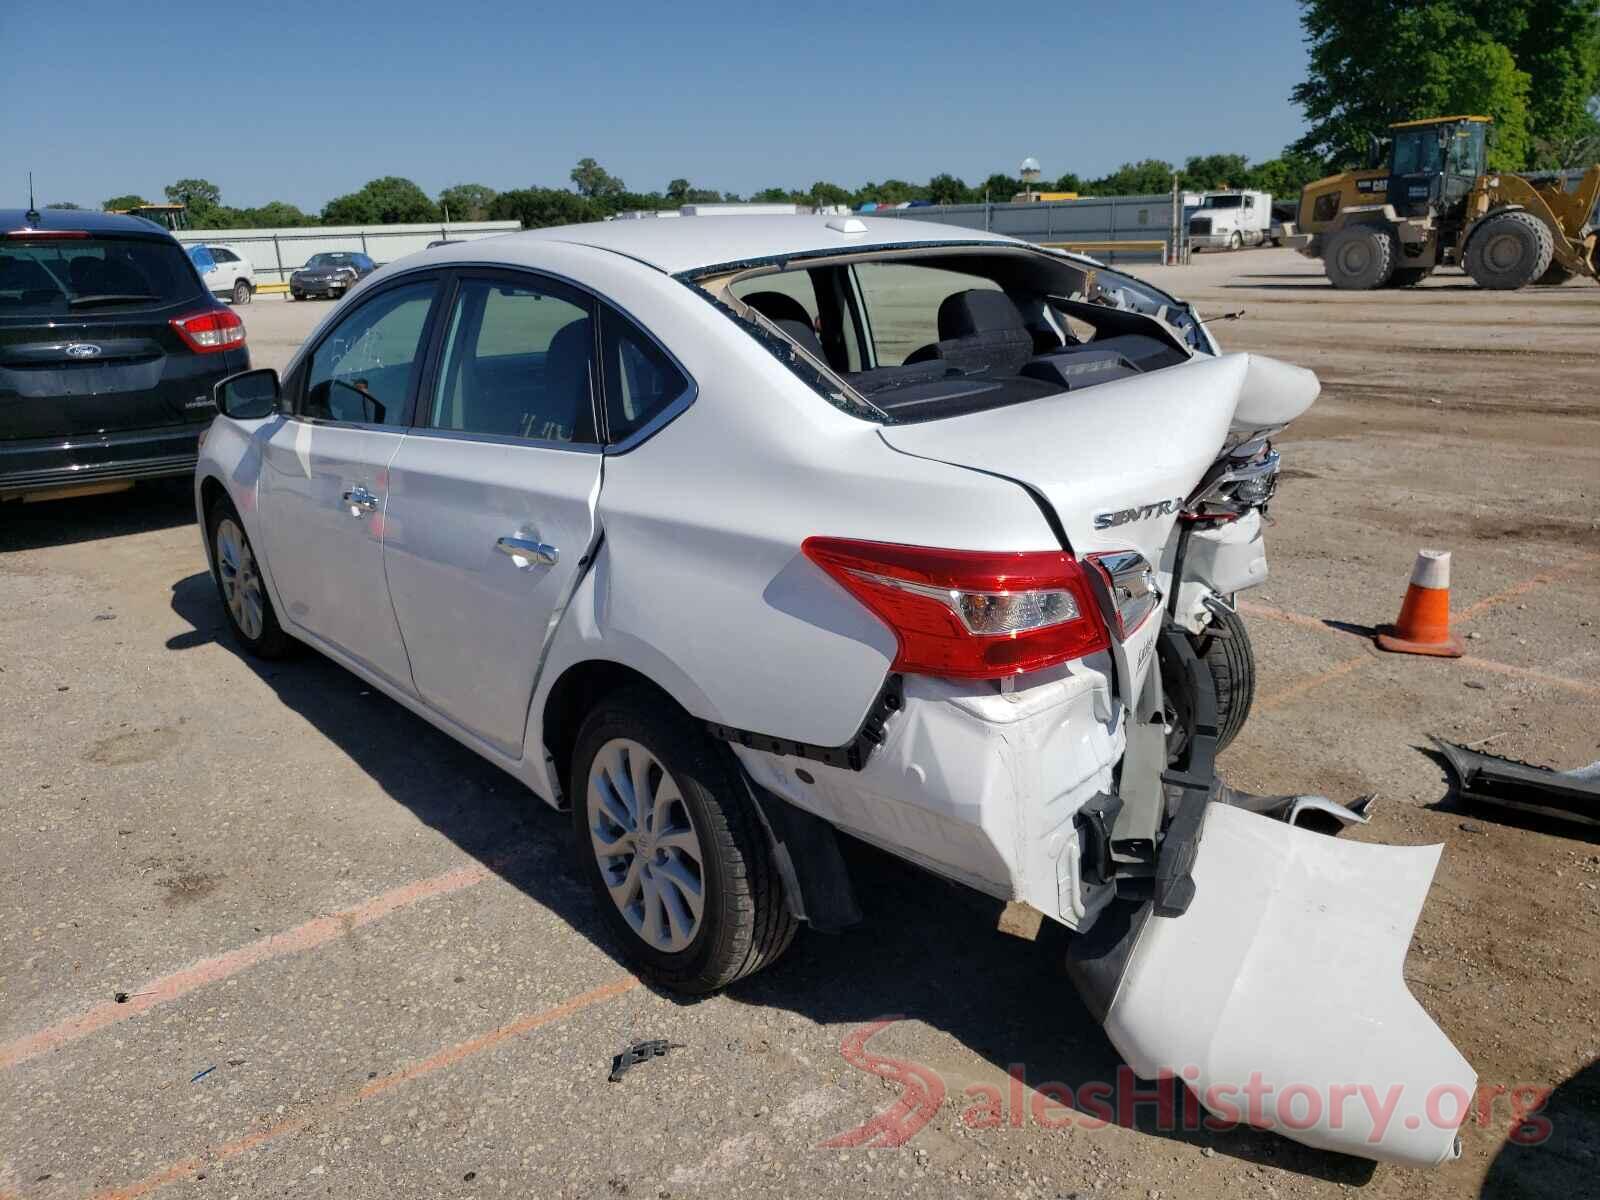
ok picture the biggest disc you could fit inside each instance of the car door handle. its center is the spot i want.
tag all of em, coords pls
(359, 500)
(527, 552)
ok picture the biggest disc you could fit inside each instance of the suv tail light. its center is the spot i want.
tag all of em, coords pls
(969, 614)
(210, 331)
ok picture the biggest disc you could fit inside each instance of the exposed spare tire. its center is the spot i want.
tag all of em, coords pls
(1361, 257)
(1509, 250)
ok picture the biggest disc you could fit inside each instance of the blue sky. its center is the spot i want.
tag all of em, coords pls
(301, 102)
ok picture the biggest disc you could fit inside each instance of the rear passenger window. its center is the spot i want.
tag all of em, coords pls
(640, 380)
(518, 362)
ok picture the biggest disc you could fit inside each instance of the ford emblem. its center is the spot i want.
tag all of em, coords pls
(82, 350)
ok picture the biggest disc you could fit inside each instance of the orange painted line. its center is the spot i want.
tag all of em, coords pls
(1478, 608)
(1344, 668)
(187, 1168)
(1296, 690)
(1562, 681)
(313, 933)
(1288, 618)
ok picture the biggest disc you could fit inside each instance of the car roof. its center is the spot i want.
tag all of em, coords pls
(688, 243)
(77, 218)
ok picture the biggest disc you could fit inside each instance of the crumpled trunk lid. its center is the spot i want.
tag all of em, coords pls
(1116, 461)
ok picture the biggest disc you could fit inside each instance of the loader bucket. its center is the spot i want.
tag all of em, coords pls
(1278, 996)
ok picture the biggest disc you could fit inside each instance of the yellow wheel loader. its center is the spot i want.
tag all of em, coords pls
(1435, 202)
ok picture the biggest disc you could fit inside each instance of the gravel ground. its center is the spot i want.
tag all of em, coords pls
(358, 963)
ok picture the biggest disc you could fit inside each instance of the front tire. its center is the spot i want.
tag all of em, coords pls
(672, 846)
(1509, 251)
(241, 292)
(240, 586)
(1360, 258)
(1235, 241)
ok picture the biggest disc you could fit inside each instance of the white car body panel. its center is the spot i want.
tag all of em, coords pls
(1287, 968)
(475, 620)
(327, 559)
(680, 560)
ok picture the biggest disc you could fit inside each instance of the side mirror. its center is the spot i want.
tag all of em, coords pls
(248, 395)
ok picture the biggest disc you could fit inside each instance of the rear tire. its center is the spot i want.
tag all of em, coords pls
(691, 838)
(1225, 649)
(1360, 258)
(241, 292)
(240, 586)
(1509, 251)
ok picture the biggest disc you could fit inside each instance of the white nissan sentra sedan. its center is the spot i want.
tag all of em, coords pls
(738, 533)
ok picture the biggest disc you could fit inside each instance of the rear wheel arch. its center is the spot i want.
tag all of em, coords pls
(579, 690)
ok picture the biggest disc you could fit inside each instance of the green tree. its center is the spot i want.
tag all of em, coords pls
(200, 196)
(1532, 65)
(1210, 171)
(823, 192)
(1068, 183)
(999, 189)
(678, 191)
(945, 188)
(773, 195)
(119, 203)
(537, 207)
(274, 214)
(467, 201)
(1147, 177)
(67, 205)
(390, 200)
(594, 181)
(1284, 176)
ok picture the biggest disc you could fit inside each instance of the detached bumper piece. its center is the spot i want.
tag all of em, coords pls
(1507, 783)
(1279, 996)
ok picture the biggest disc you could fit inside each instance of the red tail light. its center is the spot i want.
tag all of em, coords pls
(969, 614)
(210, 331)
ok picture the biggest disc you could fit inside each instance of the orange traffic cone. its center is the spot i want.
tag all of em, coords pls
(1423, 626)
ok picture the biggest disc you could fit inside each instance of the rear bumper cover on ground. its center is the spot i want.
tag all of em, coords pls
(1279, 998)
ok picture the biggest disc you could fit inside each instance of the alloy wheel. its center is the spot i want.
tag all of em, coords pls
(646, 844)
(241, 583)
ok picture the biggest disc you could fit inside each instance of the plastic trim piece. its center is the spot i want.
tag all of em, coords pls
(852, 755)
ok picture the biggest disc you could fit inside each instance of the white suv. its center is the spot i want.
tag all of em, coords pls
(226, 271)
(733, 533)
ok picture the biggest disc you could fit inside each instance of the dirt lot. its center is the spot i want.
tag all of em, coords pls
(358, 965)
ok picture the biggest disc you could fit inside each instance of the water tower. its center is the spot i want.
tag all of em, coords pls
(1030, 174)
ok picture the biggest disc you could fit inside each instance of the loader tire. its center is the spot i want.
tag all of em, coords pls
(1509, 251)
(1360, 258)
(1405, 277)
(1225, 649)
(1555, 276)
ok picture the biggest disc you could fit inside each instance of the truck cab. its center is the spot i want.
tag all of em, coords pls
(1230, 219)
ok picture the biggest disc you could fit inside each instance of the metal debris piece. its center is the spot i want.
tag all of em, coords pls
(632, 1056)
(1509, 783)
(201, 1075)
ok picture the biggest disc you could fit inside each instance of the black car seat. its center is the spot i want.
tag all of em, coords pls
(980, 329)
(776, 306)
(801, 332)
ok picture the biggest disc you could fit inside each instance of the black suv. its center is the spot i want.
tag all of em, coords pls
(109, 345)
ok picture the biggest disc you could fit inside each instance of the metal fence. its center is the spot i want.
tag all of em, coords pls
(275, 254)
(1096, 225)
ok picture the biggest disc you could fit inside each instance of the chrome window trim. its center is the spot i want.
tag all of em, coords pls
(622, 446)
(504, 439)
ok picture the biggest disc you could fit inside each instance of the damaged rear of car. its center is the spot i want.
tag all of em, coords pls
(1051, 734)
